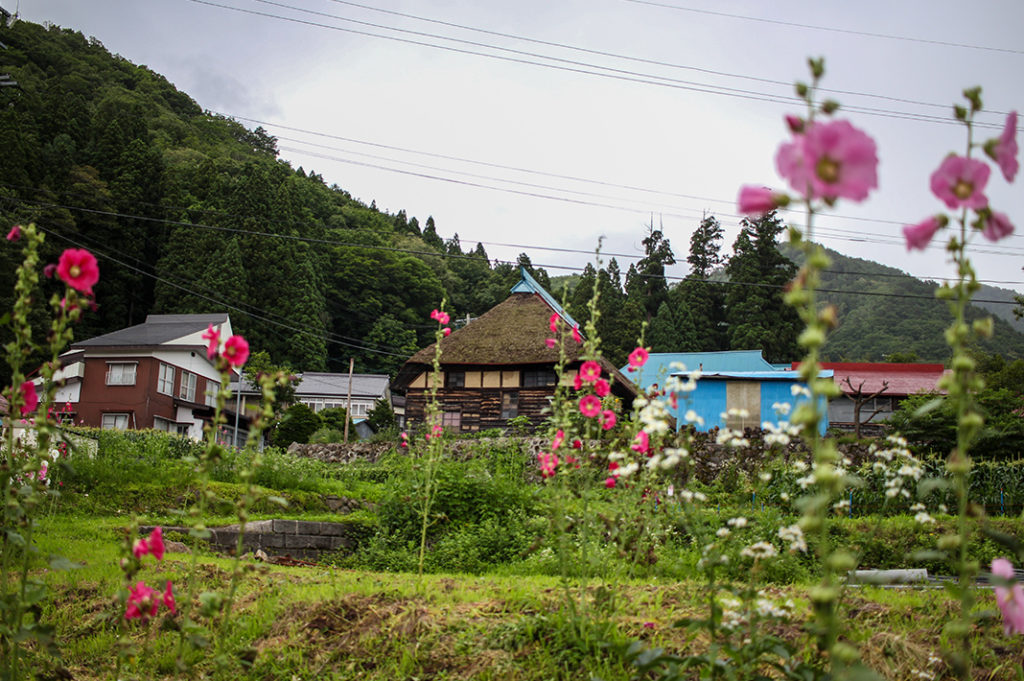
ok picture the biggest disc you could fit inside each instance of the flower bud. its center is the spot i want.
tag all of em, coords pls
(802, 90)
(829, 106)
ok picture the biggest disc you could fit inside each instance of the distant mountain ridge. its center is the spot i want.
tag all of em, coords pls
(883, 310)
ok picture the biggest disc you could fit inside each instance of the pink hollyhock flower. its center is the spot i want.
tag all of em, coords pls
(612, 467)
(920, 235)
(140, 548)
(577, 444)
(405, 439)
(446, 332)
(590, 371)
(548, 464)
(553, 322)
(49, 270)
(608, 419)
(830, 160)
(558, 439)
(142, 602)
(1009, 599)
(236, 351)
(959, 182)
(590, 406)
(78, 269)
(794, 123)
(638, 357)
(648, 625)
(756, 200)
(609, 482)
(997, 226)
(212, 336)
(441, 317)
(642, 443)
(577, 382)
(156, 543)
(15, 233)
(44, 468)
(29, 396)
(168, 599)
(602, 387)
(576, 334)
(550, 342)
(1003, 150)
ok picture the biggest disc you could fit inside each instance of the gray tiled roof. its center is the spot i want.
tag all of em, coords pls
(157, 329)
(334, 385)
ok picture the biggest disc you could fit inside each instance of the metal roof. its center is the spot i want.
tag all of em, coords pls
(156, 330)
(320, 384)
(659, 364)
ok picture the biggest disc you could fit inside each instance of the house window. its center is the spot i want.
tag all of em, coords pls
(358, 410)
(187, 391)
(211, 393)
(452, 419)
(114, 422)
(169, 426)
(509, 405)
(121, 373)
(455, 379)
(538, 378)
(165, 381)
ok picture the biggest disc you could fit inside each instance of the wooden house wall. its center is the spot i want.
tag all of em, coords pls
(479, 409)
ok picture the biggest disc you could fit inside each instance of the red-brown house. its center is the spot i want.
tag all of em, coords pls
(152, 375)
(498, 367)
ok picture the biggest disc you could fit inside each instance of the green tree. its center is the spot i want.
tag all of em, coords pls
(646, 283)
(756, 314)
(297, 424)
(382, 417)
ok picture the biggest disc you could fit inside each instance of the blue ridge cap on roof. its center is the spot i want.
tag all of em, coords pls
(527, 284)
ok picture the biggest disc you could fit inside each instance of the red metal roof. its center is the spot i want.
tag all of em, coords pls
(868, 377)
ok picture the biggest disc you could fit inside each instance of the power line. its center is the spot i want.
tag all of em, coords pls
(435, 254)
(572, 66)
(641, 60)
(262, 315)
(832, 29)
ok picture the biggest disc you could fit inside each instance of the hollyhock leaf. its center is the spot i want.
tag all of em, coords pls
(62, 563)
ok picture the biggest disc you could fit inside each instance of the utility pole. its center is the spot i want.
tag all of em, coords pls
(348, 405)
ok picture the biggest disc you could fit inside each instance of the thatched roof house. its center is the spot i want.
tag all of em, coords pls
(498, 366)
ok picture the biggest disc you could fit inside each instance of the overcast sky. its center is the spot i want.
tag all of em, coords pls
(395, 102)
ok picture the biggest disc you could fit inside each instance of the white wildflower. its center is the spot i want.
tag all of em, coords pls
(692, 417)
(923, 518)
(795, 536)
(723, 532)
(765, 476)
(737, 522)
(798, 390)
(760, 550)
(781, 408)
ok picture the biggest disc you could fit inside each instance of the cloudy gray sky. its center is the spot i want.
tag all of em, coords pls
(547, 124)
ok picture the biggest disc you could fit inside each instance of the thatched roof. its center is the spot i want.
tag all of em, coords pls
(512, 332)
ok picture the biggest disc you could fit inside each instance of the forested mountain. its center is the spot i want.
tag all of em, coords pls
(191, 212)
(884, 312)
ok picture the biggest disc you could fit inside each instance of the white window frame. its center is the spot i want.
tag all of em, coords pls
(187, 390)
(165, 383)
(109, 421)
(212, 387)
(121, 373)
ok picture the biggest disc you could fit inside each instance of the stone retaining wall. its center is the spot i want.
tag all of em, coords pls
(308, 540)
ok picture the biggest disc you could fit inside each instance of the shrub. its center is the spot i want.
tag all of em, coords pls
(297, 424)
